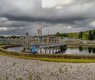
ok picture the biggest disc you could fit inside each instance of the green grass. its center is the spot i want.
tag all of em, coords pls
(50, 59)
(67, 60)
(62, 60)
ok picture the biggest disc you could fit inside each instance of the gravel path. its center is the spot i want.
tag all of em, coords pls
(20, 69)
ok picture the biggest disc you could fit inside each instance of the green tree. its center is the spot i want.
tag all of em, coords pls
(94, 34)
(64, 35)
(14, 37)
(58, 34)
(90, 35)
(80, 35)
(2, 37)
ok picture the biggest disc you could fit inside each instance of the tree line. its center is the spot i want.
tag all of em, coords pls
(90, 35)
(86, 35)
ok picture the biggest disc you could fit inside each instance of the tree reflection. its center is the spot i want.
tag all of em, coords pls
(89, 49)
(63, 48)
(80, 49)
(93, 50)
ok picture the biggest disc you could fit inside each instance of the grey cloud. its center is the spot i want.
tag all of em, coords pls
(33, 9)
(21, 16)
(4, 22)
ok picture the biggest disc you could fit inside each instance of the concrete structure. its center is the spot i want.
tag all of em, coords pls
(28, 42)
(38, 41)
(40, 32)
(52, 48)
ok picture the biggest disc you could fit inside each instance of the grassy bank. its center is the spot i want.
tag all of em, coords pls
(51, 59)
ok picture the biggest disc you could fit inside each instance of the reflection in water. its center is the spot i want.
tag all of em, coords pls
(80, 49)
(62, 49)
(65, 50)
(16, 49)
(89, 50)
(93, 50)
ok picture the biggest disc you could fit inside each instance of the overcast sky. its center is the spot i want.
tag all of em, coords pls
(21, 16)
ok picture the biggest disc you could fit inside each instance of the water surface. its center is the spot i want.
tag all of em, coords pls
(16, 49)
(80, 50)
(69, 50)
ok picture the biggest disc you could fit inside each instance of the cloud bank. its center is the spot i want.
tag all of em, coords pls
(21, 16)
